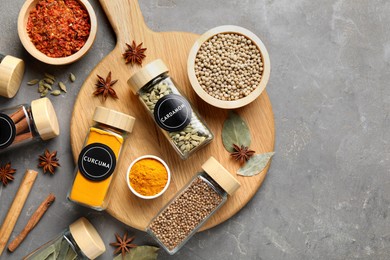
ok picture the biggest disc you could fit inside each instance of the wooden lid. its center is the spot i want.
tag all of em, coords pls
(146, 74)
(45, 118)
(87, 238)
(221, 175)
(114, 118)
(11, 75)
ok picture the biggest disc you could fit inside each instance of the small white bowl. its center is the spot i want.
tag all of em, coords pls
(30, 47)
(166, 185)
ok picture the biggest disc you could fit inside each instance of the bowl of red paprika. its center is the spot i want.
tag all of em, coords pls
(57, 32)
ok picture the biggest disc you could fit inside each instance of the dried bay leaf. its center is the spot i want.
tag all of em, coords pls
(235, 131)
(256, 164)
(140, 253)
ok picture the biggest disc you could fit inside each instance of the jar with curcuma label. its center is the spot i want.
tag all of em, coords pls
(178, 120)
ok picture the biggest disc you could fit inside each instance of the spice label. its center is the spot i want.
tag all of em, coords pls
(7, 131)
(96, 162)
(172, 112)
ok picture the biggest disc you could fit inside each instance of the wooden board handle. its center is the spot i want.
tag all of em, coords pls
(126, 15)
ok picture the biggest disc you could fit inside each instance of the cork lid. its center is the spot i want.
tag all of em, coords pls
(221, 175)
(45, 118)
(114, 118)
(146, 74)
(87, 238)
(11, 75)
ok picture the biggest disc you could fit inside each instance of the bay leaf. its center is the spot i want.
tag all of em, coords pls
(140, 253)
(255, 164)
(235, 131)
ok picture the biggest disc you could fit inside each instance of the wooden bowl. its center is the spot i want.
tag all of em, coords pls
(234, 103)
(30, 47)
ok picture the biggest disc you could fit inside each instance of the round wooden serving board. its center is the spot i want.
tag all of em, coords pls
(173, 48)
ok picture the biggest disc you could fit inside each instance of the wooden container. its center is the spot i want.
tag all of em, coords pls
(222, 103)
(29, 46)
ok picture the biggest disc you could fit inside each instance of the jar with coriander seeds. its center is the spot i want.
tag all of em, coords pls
(182, 217)
(178, 120)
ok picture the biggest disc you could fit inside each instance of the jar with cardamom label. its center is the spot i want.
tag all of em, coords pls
(178, 120)
(98, 159)
(11, 75)
(25, 124)
(79, 241)
(180, 219)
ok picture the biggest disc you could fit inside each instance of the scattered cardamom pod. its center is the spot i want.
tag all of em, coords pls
(44, 93)
(62, 86)
(72, 77)
(33, 82)
(49, 81)
(47, 75)
(55, 92)
(41, 88)
(47, 86)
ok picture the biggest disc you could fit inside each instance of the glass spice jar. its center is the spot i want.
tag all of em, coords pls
(172, 112)
(11, 75)
(79, 241)
(180, 219)
(98, 159)
(23, 124)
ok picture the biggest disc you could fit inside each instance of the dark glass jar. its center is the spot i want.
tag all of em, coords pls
(179, 121)
(24, 124)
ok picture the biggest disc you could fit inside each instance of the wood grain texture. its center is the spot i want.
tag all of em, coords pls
(173, 48)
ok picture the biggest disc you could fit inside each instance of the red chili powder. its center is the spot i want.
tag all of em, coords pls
(58, 28)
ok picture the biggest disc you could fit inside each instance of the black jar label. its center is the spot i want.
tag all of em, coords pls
(96, 162)
(172, 112)
(7, 131)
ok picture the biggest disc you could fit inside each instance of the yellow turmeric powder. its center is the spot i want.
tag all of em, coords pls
(148, 177)
(98, 159)
(93, 193)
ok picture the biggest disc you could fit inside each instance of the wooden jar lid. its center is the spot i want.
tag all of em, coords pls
(219, 174)
(11, 75)
(114, 118)
(45, 118)
(146, 74)
(87, 238)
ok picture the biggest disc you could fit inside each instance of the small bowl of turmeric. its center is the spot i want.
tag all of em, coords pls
(148, 177)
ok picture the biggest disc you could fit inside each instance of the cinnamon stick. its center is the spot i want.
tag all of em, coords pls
(22, 137)
(18, 115)
(32, 222)
(21, 126)
(16, 207)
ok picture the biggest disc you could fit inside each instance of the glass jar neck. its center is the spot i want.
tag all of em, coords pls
(69, 237)
(207, 178)
(153, 82)
(110, 129)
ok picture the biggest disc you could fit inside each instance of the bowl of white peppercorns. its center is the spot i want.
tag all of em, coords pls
(228, 67)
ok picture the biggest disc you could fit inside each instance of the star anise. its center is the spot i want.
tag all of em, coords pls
(134, 53)
(123, 244)
(48, 161)
(104, 87)
(6, 174)
(241, 153)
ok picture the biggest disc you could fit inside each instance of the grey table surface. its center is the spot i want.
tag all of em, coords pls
(327, 193)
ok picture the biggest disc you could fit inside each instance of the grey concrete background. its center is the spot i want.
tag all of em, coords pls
(327, 194)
